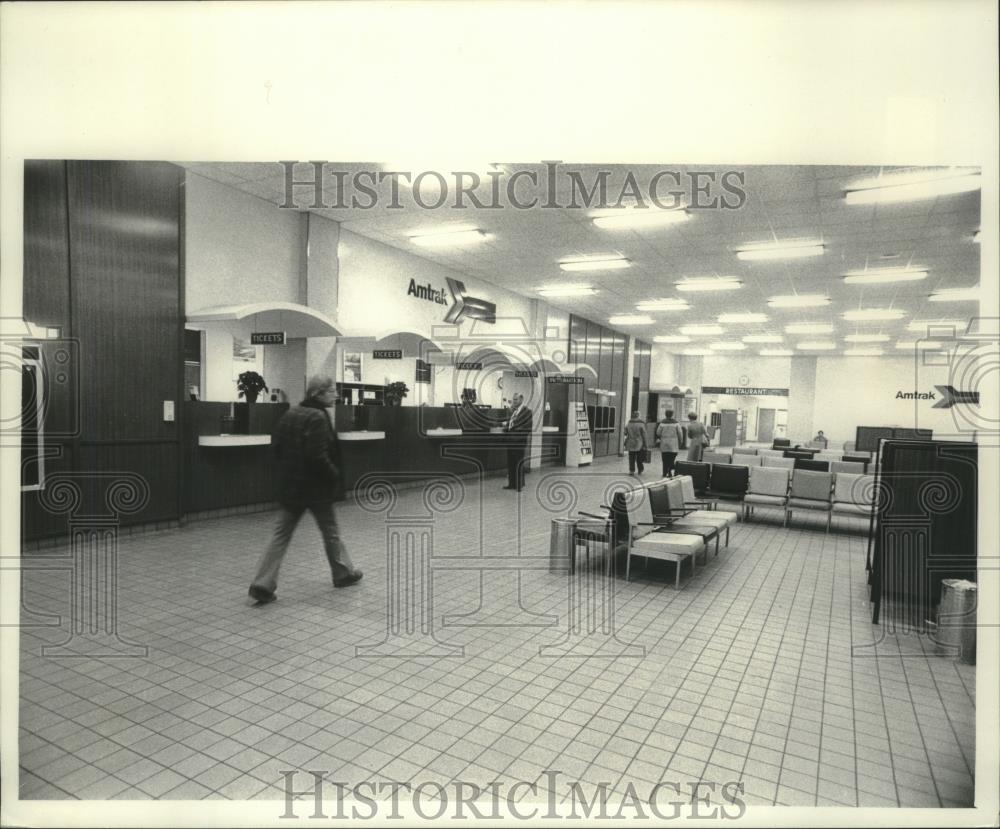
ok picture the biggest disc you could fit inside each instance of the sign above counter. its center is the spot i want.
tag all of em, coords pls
(267, 338)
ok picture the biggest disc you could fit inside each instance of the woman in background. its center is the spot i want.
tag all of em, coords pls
(697, 437)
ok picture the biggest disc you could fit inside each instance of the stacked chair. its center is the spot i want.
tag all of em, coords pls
(812, 491)
(768, 487)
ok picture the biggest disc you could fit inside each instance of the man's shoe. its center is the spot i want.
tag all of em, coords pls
(354, 578)
(260, 595)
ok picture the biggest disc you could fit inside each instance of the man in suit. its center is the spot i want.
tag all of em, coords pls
(518, 431)
(306, 458)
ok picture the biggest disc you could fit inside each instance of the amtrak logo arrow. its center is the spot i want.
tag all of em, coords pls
(467, 306)
(949, 397)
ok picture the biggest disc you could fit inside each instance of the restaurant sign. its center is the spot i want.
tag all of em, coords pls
(743, 391)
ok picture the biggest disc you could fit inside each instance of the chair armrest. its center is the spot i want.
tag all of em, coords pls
(711, 504)
(591, 515)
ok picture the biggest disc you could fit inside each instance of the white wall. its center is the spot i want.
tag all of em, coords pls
(734, 369)
(238, 248)
(855, 391)
(664, 372)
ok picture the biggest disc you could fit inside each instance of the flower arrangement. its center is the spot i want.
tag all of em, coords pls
(395, 392)
(250, 384)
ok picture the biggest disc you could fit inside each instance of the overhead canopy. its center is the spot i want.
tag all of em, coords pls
(295, 320)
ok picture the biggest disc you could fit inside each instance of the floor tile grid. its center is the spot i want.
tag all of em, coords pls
(762, 595)
(731, 576)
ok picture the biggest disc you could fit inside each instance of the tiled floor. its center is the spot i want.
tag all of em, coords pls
(763, 668)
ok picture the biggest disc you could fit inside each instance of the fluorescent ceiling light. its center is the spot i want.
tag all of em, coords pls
(696, 352)
(669, 304)
(727, 346)
(446, 238)
(781, 250)
(863, 314)
(776, 352)
(630, 319)
(606, 263)
(809, 328)
(863, 352)
(763, 338)
(921, 326)
(671, 338)
(799, 301)
(722, 283)
(912, 186)
(956, 295)
(867, 338)
(742, 318)
(625, 218)
(567, 290)
(816, 345)
(913, 345)
(871, 277)
(703, 330)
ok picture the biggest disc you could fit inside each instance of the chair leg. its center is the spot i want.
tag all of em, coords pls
(727, 535)
(716, 546)
(785, 522)
(628, 564)
(829, 518)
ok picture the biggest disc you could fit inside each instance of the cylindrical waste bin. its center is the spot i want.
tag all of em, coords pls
(562, 544)
(956, 621)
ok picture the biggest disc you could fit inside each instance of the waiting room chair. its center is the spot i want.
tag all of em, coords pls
(716, 457)
(701, 505)
(864, 458)
(748, 460)
(780, 443)
(699, 472)
(768, 487)
(771, 453)
(847, 466)
(728, 482)
(716, 519)
(667, 504)
(852, 495)
(779, 462)
(650, 540)
(743, 450)
(811, 491)
(812, 465)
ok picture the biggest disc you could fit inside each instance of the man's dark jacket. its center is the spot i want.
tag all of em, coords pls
(307, 456)
(519, 432)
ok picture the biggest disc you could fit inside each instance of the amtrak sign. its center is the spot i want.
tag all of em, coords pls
(462, 307)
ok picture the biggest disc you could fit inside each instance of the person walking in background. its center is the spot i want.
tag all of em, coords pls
(697, 437)
(671, 439)
(306, 458)
(635, 443)
(518, 431)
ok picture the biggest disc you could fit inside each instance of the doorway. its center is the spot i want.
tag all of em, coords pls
(765, 425)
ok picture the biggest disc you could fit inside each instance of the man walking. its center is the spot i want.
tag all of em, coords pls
(635, 443)
(306, 456)
(518, 432)
(670, 438)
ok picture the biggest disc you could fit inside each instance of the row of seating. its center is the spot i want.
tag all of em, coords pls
(817, 465)
(847, 493)
(664, 520)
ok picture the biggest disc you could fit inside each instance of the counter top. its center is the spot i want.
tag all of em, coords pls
(234, 440)
(443, 433)
(550, 428)
(361, 435)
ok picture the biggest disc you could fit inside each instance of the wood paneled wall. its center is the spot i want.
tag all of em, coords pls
(603, 350)
(103, 262)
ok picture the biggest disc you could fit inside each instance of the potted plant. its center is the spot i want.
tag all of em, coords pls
(395, 392)
(250, 385)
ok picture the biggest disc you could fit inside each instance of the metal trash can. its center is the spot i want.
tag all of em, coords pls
(562, 545)
(956, 621)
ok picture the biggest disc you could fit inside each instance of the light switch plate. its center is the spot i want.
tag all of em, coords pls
(168, 411)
